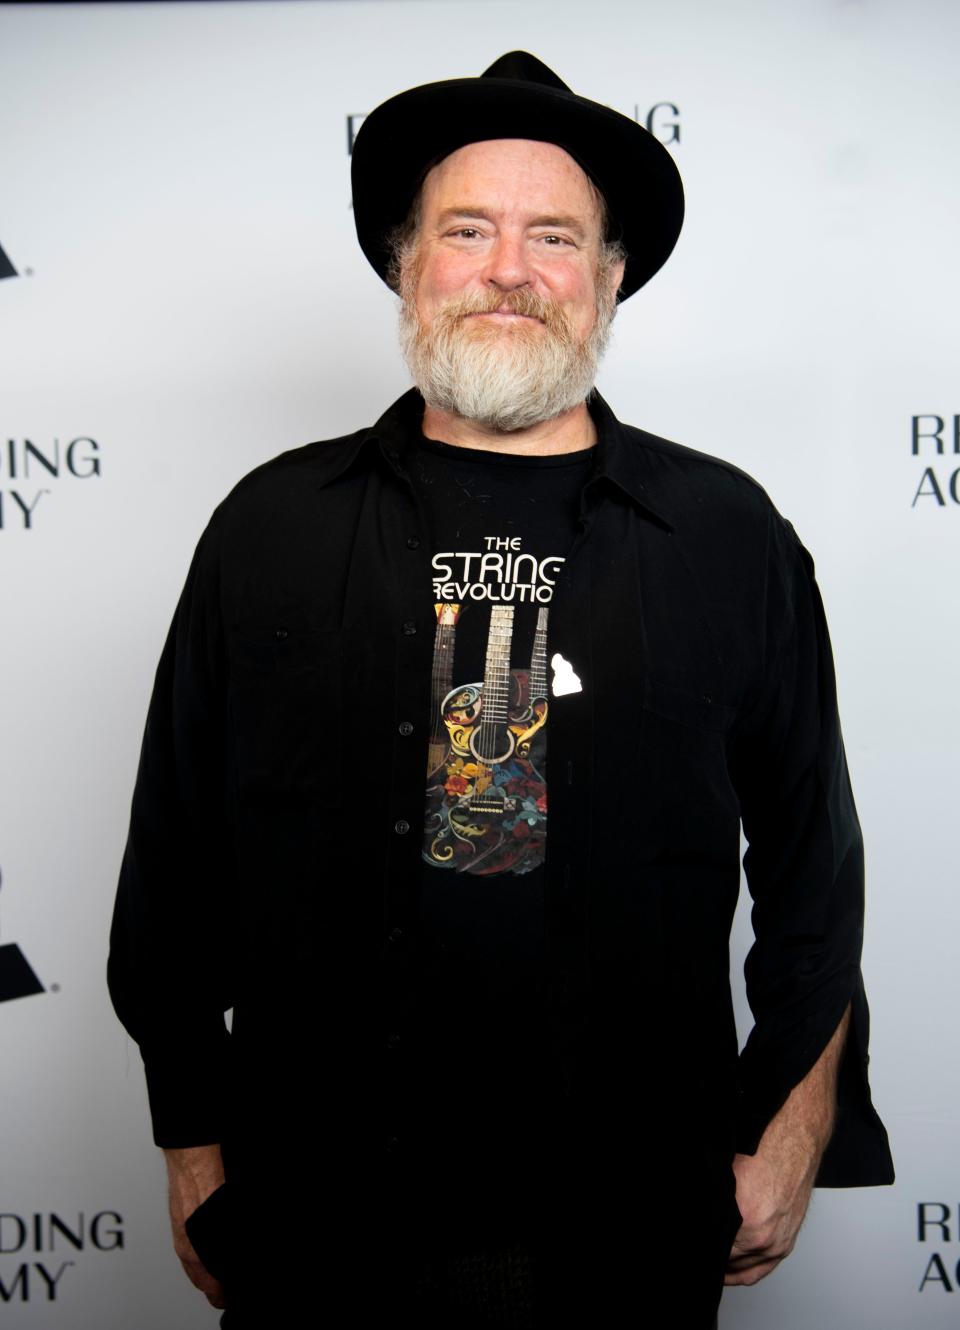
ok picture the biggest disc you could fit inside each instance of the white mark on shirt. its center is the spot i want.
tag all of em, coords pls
(565, 678)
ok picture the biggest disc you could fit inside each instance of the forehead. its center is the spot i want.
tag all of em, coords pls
(511, 174)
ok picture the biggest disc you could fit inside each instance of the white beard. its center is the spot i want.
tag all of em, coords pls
(506, 378)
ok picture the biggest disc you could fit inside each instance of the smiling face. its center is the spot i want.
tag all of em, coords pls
(508, 289)
(509, 215)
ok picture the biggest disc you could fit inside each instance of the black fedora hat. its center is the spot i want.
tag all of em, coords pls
(518, 97)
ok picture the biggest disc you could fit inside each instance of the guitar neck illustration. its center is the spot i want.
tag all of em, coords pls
(531, 714)
(538, 660)
(441, 680)
(492, 741)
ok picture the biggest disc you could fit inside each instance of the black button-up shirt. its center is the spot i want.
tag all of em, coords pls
(273, 860)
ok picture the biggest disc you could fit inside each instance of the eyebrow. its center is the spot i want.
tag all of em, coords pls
(471, 212)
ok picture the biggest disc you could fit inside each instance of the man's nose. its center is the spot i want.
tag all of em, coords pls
(508, 264)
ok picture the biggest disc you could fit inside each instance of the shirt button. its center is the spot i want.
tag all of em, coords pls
(405, 727)
(408, 628)
(395, 935)
(413, 542)
(393, 1040)
(390, 1144)
(281, 634)
(401, 826)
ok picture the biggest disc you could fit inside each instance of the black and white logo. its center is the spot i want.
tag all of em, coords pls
(60, 1241)
(30, 473)
(936, 439)
(17, 978)
(6, 267)
(937, 1226)
(662, 120)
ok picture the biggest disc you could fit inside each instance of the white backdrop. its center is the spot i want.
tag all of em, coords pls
(188, 299)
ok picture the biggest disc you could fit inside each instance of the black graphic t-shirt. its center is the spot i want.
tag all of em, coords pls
(501, 527)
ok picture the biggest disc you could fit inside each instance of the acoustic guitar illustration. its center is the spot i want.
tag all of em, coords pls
(486, 803)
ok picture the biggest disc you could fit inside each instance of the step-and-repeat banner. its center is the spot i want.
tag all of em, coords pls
(182, 297)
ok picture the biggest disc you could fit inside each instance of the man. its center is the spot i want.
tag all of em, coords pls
(483, 1065)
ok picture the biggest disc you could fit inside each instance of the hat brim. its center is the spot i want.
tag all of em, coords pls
(404, 136)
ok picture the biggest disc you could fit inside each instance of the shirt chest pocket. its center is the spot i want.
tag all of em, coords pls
(286, 685)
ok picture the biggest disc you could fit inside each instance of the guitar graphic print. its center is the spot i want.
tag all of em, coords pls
(487, 800)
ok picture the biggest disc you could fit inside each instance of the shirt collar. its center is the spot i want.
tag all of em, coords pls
(621, 460)
(626, 463)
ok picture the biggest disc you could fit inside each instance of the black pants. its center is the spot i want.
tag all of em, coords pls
(596, 1249)
(516, 1287)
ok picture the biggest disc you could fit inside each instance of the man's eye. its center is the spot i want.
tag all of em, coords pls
(556, 240)
(468, 232)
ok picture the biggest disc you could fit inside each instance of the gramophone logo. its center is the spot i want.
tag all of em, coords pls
(6, 267)
(17, 978)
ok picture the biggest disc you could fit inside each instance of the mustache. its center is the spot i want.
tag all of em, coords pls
(520, 301)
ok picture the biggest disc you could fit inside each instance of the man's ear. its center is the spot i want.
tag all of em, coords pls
(615, 277)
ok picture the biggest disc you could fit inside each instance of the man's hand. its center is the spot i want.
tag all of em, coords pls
(774, 1185)
(194, 1174)
(773, 1192)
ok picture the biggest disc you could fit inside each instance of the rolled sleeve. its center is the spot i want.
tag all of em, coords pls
(805, 872)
